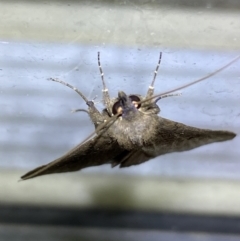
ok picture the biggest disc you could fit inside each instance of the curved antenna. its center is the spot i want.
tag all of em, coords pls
(193, 82)
(80, 110)
(167, 95)
(71, 87)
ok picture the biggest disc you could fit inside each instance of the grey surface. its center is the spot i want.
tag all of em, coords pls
(37, 126)
(38, 233)
(183, 24)
(123, 192)
(61, 38)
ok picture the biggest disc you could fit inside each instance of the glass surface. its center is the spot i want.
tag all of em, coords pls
(43, 39)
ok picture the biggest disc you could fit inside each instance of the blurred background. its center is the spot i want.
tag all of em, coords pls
(192, 195)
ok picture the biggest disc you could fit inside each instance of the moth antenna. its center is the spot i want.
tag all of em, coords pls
(102, 74)
(151, 87)
(101, 126)
(168, 95)
(88, 137)
(70, 86)
(106, 97)
(193, 82)
(77, 110)
(92, 110)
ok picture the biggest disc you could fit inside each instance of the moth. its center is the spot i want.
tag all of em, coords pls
(129, 131)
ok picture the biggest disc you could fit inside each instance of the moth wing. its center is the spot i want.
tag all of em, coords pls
(97, 151)
(176, 137)
(130, 158)
(170, 137)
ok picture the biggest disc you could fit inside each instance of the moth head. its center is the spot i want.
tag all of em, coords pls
(125, 104)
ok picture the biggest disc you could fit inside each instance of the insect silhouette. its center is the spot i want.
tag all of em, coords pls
(129, 131)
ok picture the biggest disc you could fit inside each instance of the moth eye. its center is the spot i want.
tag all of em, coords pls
(117, 108)
(135, 99)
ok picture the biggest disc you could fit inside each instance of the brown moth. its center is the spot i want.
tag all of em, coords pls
(129, 132)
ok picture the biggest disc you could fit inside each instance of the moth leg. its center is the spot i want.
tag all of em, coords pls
(106, 97)
(96, 117)
(151, 87)
(150, 108)
(78, 110)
